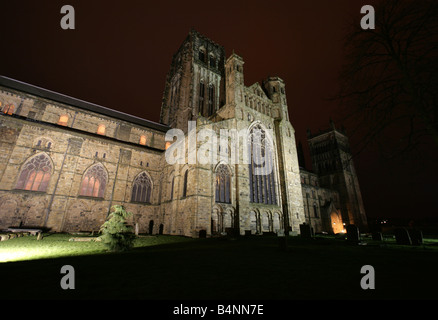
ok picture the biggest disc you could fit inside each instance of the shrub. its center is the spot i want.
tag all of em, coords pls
(116, 234)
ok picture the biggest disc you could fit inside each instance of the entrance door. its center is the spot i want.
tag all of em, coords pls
(336, 222)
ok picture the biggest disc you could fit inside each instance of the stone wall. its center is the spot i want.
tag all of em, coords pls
(73, 148)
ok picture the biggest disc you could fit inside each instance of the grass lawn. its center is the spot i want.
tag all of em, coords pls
(170, 267)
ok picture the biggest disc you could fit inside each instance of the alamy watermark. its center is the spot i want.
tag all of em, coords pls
(368, 280)
(68, 281)
(368, 20)
(68, 20)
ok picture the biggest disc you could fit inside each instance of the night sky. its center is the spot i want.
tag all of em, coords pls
(120, 52)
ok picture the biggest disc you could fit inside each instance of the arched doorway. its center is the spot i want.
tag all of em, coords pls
(266, 222)
(253, 222)
(336, 222)
(215, 222)
(219, 219)
(276, 225)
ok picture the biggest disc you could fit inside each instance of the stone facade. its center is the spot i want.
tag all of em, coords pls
(321, 205)
(36, 128)
(65, 162)
(334, 169)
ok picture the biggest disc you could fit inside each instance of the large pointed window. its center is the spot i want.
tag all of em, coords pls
(94, 181)
(142, 188)
(223, 184)
(35, 173)
(261, 167)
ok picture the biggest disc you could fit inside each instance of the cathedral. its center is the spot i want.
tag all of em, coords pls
(65, 162)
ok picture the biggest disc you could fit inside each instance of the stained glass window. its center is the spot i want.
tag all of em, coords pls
(223, 184)
(142, 188)
(35, 174)
(94, 181)
(261, 167)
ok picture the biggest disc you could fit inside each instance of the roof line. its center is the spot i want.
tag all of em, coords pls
(62, 98)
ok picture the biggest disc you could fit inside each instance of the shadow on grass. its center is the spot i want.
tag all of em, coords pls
(245, 268)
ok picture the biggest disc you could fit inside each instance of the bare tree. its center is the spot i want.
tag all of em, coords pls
(389, 81)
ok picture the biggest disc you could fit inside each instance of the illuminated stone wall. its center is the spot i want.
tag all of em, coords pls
(320, 204)
(76, 136)
(33, 129)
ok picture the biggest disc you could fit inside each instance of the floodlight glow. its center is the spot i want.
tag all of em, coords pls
(15, 254)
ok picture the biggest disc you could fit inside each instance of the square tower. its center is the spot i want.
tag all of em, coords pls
(333, 162)
(195, 83)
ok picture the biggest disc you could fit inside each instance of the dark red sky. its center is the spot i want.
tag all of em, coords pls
(120, 52)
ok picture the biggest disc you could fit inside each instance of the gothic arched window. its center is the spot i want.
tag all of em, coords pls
(261, 167)
(223, 184)
(201, 96)
(201, 54)
(35, 174)
(94, 181)
(315, 211)
(142, 188)
(184, 194)
(172, 185)
(210, 110)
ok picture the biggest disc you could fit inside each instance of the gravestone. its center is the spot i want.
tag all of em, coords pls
(282, 243)
(202, 234)
(377, 236)
(353, 234)
(232, 232)
(151, 226)
(402, 236)
(305, 231)
(416, 237)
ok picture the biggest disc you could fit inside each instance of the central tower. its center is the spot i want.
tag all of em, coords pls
(195, 83)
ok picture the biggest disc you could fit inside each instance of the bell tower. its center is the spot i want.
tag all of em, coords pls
(332, 161)
(275, 89)
(195, 83)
